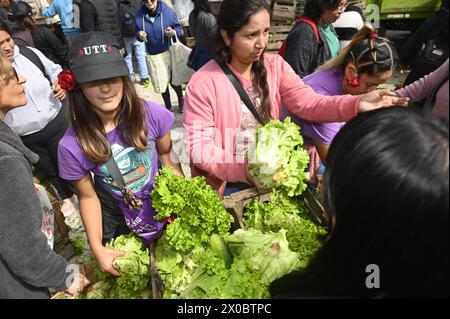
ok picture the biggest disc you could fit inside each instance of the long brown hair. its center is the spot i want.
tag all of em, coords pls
(89, 128)
(233, 15)
(370, 53)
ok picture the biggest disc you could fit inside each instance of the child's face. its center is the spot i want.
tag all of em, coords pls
(104, 95)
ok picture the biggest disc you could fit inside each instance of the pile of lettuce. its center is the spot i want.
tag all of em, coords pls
(134, 267)
(257, 260)
(278, 161)
(197, 207)
(174, 268)
(290, 214)
(242, 266)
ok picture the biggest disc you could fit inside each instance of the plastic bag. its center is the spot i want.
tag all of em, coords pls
(48, 214)
(183, 8)
(179, 55)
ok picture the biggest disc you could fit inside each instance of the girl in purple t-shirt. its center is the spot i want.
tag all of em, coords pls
(361, 67)
(110, 121)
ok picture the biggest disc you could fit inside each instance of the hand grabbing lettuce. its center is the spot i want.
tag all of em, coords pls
(278, 161)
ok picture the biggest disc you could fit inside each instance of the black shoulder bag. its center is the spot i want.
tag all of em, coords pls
(243, 95)
(132, 202)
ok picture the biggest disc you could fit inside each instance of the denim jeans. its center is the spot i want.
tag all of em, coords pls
(133, 45)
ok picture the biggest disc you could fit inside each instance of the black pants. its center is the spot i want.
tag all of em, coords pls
(166, 96)
(45, 144)
(113, 222)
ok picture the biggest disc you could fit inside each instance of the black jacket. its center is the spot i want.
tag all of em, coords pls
(303, 52)
(27, 264)
(101, 15)
(51, 46)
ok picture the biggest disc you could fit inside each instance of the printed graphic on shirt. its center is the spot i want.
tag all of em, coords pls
(136, 167)
(246, 138)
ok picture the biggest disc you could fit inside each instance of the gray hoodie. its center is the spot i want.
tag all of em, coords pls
(27, 264)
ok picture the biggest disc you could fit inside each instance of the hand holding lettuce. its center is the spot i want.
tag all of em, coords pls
(278, 161)
(134, 268)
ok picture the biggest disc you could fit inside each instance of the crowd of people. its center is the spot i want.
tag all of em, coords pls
(69, 108)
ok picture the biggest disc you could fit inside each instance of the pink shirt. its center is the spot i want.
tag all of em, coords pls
(213, 114)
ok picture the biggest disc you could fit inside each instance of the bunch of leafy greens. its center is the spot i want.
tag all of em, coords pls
(278, 160)
(175, 269)
(134, 267)
(282, 212)
(198, 209)
(79, 244)
(257, 260)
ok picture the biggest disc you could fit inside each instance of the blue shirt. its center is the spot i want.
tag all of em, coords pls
(64, 9)
(157, 41)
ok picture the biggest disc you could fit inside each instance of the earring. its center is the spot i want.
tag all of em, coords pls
(353, 81)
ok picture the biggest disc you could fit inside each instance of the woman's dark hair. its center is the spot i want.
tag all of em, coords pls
(233, 15)
(386, 184)
(370, 53)
(23, 14)
(89, 128)
(315, 8)
(201, 5)
(4, 26)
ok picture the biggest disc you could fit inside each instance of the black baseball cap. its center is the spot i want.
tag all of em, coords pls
(96, 56)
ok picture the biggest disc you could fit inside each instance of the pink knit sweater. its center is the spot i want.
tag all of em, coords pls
(212, 116)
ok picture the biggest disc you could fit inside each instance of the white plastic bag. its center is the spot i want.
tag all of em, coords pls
(48, 214)
(183, 8)
(179, 54)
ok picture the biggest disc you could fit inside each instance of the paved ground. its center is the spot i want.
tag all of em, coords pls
(177, 137)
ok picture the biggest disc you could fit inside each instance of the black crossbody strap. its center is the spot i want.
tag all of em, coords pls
(34, 58)
(115, 172)
(132, 202)
(243, 95)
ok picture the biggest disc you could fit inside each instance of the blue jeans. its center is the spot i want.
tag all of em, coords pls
(133, 45)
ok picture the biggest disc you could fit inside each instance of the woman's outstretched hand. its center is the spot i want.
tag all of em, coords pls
(379, 99)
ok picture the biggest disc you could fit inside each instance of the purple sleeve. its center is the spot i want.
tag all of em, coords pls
(423, 87)
(322, 133)
(159, 119)
(70, 159)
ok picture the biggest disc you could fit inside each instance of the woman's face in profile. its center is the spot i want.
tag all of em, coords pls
(12, 92)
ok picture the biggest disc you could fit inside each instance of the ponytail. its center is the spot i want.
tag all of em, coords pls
(370, 53)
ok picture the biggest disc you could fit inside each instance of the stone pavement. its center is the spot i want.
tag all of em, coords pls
(177, 136)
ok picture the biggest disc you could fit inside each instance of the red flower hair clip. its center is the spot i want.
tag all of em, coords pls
(66, 80)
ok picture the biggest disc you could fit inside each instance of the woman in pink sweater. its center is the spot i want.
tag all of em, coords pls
(219, 127)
